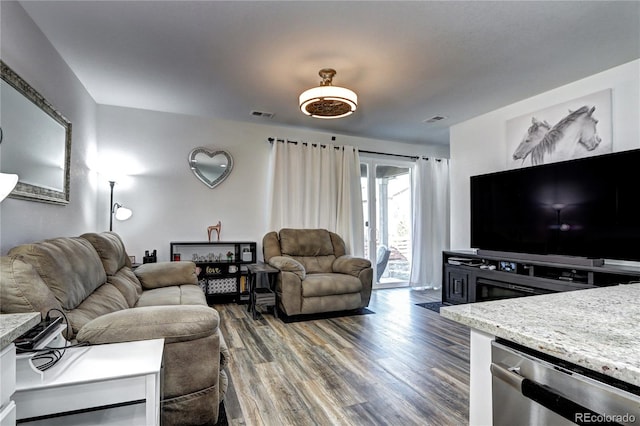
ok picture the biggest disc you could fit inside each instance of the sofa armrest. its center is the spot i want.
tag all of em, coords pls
(164, 274)
(178, 323)
(225, 355)
(350, 265)
(288, 264)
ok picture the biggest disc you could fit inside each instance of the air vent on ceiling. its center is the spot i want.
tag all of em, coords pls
(435, 118)
(262, 114)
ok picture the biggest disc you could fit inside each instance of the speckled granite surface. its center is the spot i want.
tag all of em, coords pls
(598, 328)
(14, 325)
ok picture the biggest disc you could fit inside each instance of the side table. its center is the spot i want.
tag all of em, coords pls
(120, 380)
(262, 296)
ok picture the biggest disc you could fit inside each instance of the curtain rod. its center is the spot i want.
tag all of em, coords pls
(272, 140)
(411, 157)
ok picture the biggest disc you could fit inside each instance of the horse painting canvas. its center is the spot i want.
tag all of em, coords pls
(578, 128)
(531, 139)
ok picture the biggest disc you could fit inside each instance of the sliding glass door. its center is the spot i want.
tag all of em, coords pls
(386, 194)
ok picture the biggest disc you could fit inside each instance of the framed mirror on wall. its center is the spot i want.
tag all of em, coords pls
(211, 166)
(35, 141)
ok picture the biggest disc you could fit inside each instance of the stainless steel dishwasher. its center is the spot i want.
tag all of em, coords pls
(530, 388)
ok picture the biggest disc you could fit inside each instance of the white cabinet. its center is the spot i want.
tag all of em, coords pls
(124, 376)
(8, 414)
(90, 378)
(93, 377)
(7, 385)
(12, 326)
(8, 374)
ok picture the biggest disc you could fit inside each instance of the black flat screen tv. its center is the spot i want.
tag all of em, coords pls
(588, 207)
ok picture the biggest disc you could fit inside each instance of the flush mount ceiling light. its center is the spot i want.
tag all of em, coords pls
(328, 101)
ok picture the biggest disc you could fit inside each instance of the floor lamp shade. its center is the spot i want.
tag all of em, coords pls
(7, 183)
(116, 209)
(121, 212)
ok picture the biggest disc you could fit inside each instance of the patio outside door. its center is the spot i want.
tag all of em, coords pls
(386, 195)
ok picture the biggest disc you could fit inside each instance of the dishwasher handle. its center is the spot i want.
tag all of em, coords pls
(546, 397)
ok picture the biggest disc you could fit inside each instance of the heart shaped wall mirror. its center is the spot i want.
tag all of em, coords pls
(210, 166)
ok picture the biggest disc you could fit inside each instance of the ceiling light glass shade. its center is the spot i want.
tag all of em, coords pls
(328, 101)
(122, 213)
(7, 183)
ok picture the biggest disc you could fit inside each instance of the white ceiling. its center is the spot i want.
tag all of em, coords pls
(407, 61)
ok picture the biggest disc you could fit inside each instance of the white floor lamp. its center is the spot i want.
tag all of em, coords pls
(117, 209)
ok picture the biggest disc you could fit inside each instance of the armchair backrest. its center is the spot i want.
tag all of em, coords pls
(316, 249)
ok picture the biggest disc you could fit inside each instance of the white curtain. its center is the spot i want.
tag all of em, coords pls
(430, 222)
(317, 187)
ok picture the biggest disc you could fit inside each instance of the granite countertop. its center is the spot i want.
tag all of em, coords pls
(598, 329)
(13, 326)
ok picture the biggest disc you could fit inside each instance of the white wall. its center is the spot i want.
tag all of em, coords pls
(28, 52)
(168, 202)
(479, 145)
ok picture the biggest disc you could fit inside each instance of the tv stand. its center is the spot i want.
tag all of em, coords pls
(474, 277)
(547, 258)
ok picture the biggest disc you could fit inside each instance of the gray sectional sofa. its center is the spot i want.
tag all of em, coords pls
(90, 278)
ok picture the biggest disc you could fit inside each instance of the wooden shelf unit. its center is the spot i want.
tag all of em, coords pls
(222, 278)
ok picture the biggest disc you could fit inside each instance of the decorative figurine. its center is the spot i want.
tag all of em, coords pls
(216, 228)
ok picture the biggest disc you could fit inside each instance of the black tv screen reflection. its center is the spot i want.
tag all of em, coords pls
(588, 208)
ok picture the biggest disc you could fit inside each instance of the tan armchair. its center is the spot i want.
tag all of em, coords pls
(316, 274)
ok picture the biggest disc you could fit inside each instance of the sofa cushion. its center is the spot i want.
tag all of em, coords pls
(350, 265)
(172, 323)
(270, 246)
(316, 264)
(337, 302)
(306, 242)
(174, 295)
(162, 274)
(288, 264)
(111, 250)
(116, 263)
(22, 289)
(127, 283)
(70, 267)
(104, 300)
(339, 248)
(316, 285)
(313, 248)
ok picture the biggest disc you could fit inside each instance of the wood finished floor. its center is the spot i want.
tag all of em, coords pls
(403, 365)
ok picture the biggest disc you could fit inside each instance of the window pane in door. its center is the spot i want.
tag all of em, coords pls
(393, 199)
(364, 185)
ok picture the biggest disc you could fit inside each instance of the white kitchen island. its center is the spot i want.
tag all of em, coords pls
(598, 329)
